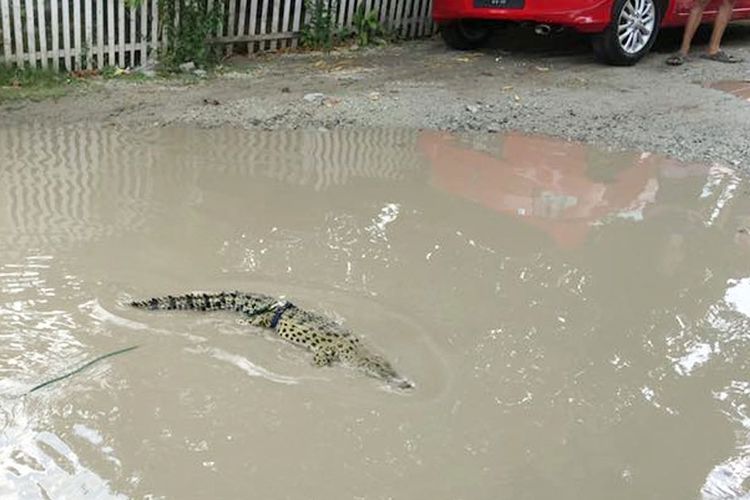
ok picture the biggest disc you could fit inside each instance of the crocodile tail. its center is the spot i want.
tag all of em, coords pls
(224, 301)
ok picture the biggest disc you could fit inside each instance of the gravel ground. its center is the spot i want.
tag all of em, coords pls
(522, 82)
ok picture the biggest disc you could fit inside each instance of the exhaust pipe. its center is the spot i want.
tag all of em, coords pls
(542, 29)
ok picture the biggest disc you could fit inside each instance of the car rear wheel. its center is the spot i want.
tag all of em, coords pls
(465, 34)
(630, 35)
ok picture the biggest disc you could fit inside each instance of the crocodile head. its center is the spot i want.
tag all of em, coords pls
(378, 367)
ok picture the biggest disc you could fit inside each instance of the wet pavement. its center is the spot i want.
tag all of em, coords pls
(575, 320)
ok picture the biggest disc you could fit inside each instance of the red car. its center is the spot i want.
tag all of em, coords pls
(623, 30)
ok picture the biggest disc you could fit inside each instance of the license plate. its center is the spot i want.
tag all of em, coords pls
(499, 4)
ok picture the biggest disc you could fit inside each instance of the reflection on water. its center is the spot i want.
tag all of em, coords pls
(562, 188)
(576, 320)
(54, 190)
(739, 89)
(36, 462)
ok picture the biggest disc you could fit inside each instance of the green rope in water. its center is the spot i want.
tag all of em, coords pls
(81, 368)
(121, 351)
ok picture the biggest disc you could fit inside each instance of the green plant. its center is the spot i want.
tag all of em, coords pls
(85, 54)
(319, 32)
(367, 28)
(32, 83)
(187, 24)
(187, 40)
(11, 76)
(108, 72)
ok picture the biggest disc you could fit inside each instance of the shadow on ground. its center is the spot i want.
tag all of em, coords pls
(523, 41)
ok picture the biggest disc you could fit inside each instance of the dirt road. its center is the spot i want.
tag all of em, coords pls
(540, 85)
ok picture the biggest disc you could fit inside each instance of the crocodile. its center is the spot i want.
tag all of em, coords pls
(329, 341)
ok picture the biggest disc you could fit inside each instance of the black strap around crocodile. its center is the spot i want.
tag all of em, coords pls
(278, 313)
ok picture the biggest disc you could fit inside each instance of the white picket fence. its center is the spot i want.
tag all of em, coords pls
(85, 34)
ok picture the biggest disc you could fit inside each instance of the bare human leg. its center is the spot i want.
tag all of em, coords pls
(720, 24)
(714, 51)
(694, 20)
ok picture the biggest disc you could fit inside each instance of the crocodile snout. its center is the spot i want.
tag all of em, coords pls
(402, 383)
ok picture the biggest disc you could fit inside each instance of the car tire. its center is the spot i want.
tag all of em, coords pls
(465, 34)
(631, 34)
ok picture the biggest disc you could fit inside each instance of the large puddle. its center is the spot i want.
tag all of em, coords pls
(577, 322)
(739, 89)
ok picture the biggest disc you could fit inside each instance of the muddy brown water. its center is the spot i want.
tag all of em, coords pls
(738, 88)
(576, 321)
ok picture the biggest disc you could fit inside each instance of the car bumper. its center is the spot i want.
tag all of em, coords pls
(589, 16)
